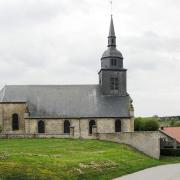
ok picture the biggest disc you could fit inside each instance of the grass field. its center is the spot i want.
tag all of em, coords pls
(70, 159)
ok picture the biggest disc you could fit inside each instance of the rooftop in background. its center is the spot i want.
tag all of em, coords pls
(173, 132)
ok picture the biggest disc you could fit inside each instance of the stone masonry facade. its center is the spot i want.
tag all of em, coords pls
(56, 126)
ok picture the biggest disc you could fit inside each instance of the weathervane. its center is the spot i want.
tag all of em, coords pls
(111, 3)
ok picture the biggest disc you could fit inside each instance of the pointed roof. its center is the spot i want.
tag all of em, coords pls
(112, 50)
(111, 29)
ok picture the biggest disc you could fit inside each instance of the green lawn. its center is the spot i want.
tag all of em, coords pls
(70, 159)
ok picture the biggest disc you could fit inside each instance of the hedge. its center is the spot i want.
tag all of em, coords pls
(170, 152)
(146, 124)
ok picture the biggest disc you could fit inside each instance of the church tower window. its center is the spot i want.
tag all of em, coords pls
(15, 122)
(113, 62)
(114, 83)
(66, 127)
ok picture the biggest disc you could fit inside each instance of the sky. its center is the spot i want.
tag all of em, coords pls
(62, 41)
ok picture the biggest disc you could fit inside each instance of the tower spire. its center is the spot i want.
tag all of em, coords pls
(111, 29)
(112, 36)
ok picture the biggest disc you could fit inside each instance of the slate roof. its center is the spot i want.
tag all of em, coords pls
(112, 52)
(66, 101)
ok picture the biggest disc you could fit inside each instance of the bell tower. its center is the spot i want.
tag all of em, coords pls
(112, 75)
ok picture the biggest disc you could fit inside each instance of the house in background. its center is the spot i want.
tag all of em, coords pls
(174, 132)
(170, 141)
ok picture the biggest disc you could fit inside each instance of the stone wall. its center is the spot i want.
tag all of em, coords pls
(81, 126)
(9, 136)
(128, 125)
(56, 126)
(6, 112)
(146, 142)
(107, 125)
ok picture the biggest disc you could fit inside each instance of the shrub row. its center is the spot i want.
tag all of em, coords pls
(170, 152)
(146, 124)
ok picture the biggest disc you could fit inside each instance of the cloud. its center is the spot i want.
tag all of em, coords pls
(61, 42)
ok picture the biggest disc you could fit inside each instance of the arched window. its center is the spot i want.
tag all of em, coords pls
(91, 124)
(66, 126)
(41, 127)
(118, 125)
(15, 122)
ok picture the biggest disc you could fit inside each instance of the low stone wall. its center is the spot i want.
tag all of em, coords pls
(5, 136)
(146, 142)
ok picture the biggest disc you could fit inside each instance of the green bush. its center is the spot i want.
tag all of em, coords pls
(151, 125)
(0, 129)
(139, 124)
(146, 124)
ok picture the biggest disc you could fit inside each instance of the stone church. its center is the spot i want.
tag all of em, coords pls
(71, 110)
